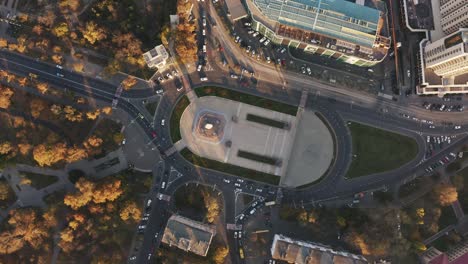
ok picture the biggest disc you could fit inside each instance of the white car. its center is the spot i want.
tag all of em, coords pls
(59, 75)
(204, 48)
(148, 203)
(457, 127)
(160, 91)
(226, 181)
(240, 180)
(124, 141)
(141, 227)
(266, 42)
(409, 73)
(247, 24)
(163, 121)
(149, 256)
(241, 216)
(204, 22)
(255, 34)
(132, 257)
(199, 67)
(237, 184)
(234, 76)
(235, 234)
(262, 39)
(58, 66)
(204, 79)
(253, 211)
(203, 32)
(156, 236)
(163, 185)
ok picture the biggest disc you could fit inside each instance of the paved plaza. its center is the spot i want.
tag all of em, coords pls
(234, 133)
(312, 152)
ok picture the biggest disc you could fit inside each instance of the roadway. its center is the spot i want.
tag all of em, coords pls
(336, 104)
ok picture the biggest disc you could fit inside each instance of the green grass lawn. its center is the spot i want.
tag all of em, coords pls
(39, 181)
(229, 168)
(412, 186)
(247, 99)
(151, 107)
(447, 217)
(189, 201)
(175, 118)
(376, 150)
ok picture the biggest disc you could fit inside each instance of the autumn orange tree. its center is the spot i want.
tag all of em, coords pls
(46, 155)
(5, 97)
(129, 82)
(25, 227)
(185, 41)
(93, 33)
(445, 194)
(130, 212)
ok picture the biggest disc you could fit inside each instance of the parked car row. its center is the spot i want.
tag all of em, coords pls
(144, 219)
(442, 162)
(436, 143)
(252, 208)
(443, 107)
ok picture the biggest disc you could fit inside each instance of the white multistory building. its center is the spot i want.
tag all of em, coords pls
(443, 53)
(156, 57)
(453, 15)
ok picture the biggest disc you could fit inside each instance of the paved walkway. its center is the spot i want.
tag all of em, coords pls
(27, 195)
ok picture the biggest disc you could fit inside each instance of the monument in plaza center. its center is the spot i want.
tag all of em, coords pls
(210, 126)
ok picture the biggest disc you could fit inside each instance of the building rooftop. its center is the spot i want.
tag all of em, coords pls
(156, 57)
(188, 235)
(335, 18)
(434, 82)
(419, 14)
(236, 9)
(301, 252)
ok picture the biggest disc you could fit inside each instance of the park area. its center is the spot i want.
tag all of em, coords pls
(376, 150)
(62, 133)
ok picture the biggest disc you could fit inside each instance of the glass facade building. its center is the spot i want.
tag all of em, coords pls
(333, 18)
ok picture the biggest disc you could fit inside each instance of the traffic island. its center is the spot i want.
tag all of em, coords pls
(376, 150)
(216, 133)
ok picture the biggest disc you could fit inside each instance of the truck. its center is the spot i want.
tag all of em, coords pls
(270, 203)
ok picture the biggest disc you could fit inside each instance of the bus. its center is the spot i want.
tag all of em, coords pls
(241, 253)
